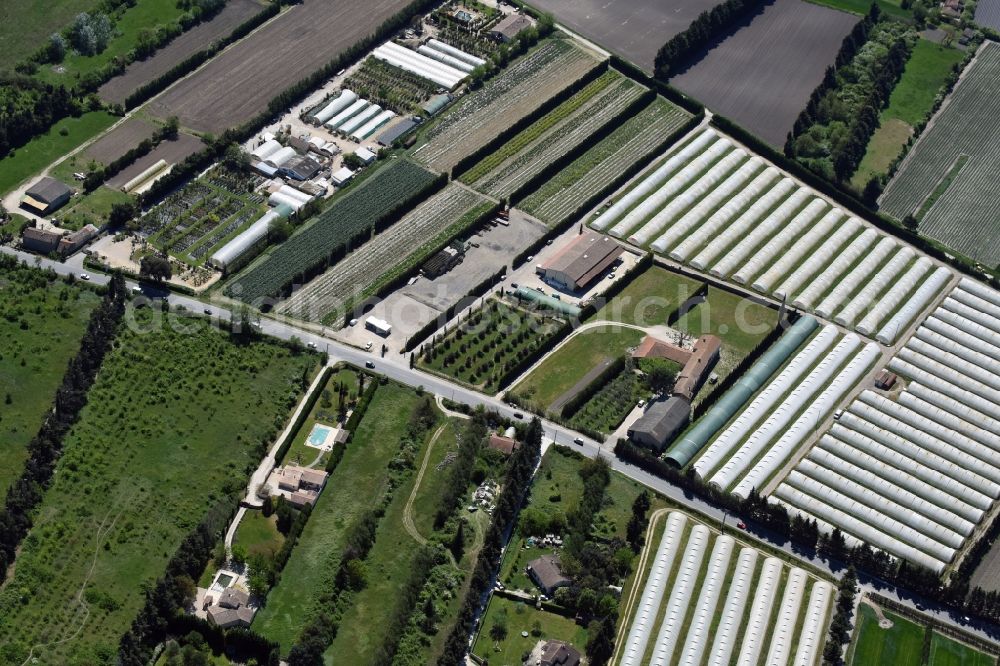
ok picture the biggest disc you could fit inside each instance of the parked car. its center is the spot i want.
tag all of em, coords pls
(208, 311)
(578, 441)
(518, 415)
(311, 344)
(370, 365)
(641, 403)
(369, 345)
(741, 525)
(84, 276)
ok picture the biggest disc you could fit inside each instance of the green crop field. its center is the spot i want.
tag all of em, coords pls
(177, 417)
(900, 645)
(43, 150)
(40, 331)
(948, 652)
(891, 7)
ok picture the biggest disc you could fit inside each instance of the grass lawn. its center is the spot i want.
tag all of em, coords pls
(43, 150)
(619, 496)
(93, 208)
(259, 534)
(891, 7)
(561, 371)
(41, 330)
(25, 25)
(901, 645)
(353, 487)
(948, 652)
(739, 322)
(520, 617)
(883, 148)
(178, 415)
(325, 411)
(648, 299)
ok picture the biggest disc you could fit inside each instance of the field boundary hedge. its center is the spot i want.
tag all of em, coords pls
(309, 402)
(574, 404)
(470, 297)
(528, 361)
(665, 89)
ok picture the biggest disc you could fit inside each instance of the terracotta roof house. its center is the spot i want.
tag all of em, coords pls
(691, 376)
(40, 240)
(651, 347)
(504, 444)
(547, 573)
(231, 610)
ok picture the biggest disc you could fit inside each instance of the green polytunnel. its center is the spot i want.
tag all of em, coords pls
(521, 293)
(735, 398)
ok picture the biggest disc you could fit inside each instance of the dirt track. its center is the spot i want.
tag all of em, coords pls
(238, 83)
(762, 76)
(197, 38)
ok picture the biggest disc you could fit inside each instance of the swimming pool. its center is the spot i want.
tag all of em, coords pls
(318, 436)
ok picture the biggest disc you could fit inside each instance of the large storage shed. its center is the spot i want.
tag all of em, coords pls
(662, 422)
(47, 195)
(582, 260)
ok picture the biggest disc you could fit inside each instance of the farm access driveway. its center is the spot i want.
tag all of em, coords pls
(634, 29)
(761, 76)
(237, 84)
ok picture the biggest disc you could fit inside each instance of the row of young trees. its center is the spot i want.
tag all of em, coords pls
(29, 108)
(708, 27)
(45, 448)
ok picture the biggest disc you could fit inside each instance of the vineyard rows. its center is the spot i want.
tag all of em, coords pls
(963, 217)
(352, 215)
(355, 275)
(502, 101)
(531, 156)
(631, 143)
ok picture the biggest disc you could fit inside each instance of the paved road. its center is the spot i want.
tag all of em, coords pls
(396, 367)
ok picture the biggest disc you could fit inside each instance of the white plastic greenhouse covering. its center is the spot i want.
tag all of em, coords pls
(705, 610)
(928, 450)
(966, 325)
(812, 637)
(677, 183)
(685, 200)
(344, 99)
(879, 502)
(655, 179)
(903, 455)
(824, 527)
(961, 329)
(778, 418)
(913, 305)
(289, 191)
(235, 248)
(724, 444)
(722, 217)
(438, 45)
(940, 510)
(731, 621)
(877, 520)
(785, 235)
(976, 303)
(421, 65)
(885, 305)
(788, 617)
(724, 192)
(764, 230)
(680, 596)
(948, 402)
(280, 156)
(990, 325)
(652, 594)
(856, 528)
(912, 419)
(360, 119)
(347, 114)
(955, 343)
(882, 279)
(835, 269)
(976, 371)
(861, 272)
(445, 58)
(819, 231)
(759, 622)
(369, 127)
(819, 259)
(266, 149)
(966, 424)
(990, 397)
(277, 198)
(821, 407)
(980, 290)
(744, 223)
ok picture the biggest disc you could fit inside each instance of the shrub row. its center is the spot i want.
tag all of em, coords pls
(527, 361)
(711, 25)
(574, 404)
(300, 420)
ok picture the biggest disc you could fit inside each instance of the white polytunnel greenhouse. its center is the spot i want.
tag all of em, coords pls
(820, 259)
(341, 102)
(416, 63)
(232, 251)
(875, 286)
(954, 402)
(266, 149)
(763, 230)
(445, 58)
(731, 621)
(956, 347)
(780, 648)
(357, 121)
(655, 179)
(960, 378)
(280, 156)
(652, 594)
(724, 192)
(834, 269)
(912, 306)
(759, 622)
(706, 607)
(975, 370)
(730, 438)
(812, 638)
(438, 45)
(743, 225)
(980, 290)
(795, 254)
(785, 234)
(989, 326)
(354, 109)
(693, 193)
(888, 303)
(721, 218)
(871, 262)
(967, 424)
(973, 301)
(373, 124)
(959, 329)
(680, 595)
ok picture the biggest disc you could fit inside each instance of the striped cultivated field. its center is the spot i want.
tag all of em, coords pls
(948, 179)
(710, 600)
(714, 206)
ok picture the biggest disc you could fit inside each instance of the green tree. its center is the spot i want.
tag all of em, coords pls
(457, 544)
(155, 267)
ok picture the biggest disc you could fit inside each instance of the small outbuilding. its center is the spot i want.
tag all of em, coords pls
(506, 445)
(341, 177)
(436, 104)
(397, 131)
(365, 155)
(47, 195)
